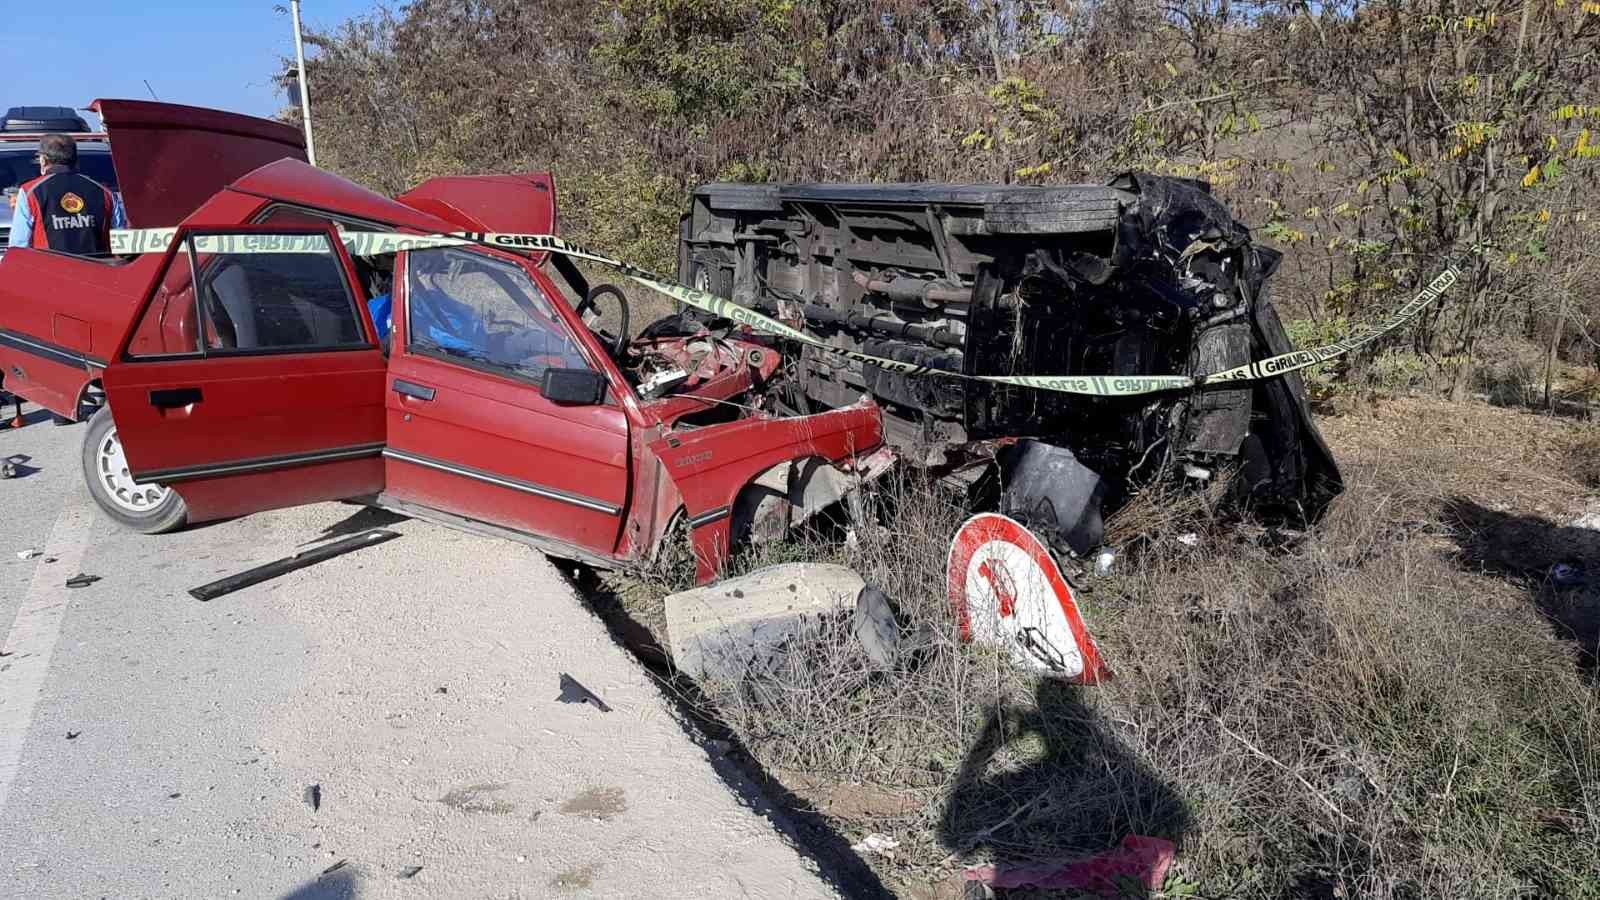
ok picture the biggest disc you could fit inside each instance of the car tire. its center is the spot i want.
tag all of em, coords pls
(711, 275)
(151, 509)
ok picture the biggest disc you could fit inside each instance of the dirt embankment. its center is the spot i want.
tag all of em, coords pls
(1398, 703)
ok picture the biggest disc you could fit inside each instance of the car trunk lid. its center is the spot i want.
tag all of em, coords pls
(171, 158)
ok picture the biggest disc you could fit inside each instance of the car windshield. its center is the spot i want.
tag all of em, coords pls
(19, 166)
(473, 307)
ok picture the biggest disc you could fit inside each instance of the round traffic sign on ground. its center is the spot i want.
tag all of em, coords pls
(1008, 591)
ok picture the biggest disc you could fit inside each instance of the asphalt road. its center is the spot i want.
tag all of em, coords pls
(155, 746)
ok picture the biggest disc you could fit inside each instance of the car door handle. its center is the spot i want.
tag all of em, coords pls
(412, 389)
(172, 398)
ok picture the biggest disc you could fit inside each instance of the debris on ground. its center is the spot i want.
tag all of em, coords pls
(1141, 860)
(81, 580)
(314, 797)
(30, 553)
(1567, 575)
(304, 558)
(334, 868)
(73, 735)
(722, 631)
(878, 628)
(410, 871)
(880, 844)
(573, 692)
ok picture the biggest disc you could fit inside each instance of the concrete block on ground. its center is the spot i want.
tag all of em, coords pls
(721, 630)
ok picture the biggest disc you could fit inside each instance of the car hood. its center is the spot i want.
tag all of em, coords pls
(172, 158)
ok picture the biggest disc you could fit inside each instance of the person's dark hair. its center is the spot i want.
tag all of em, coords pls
(58, 150)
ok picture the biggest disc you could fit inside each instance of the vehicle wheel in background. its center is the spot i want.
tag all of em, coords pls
(150, 508)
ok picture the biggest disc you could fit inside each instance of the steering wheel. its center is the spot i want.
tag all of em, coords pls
(589, 311)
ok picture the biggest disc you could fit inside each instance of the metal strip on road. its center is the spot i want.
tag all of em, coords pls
(33, 636)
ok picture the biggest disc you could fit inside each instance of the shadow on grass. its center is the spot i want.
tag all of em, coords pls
(789, 813)
(1081, 792)
(1558, 565)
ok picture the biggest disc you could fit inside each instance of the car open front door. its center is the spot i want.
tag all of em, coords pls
(276, 398)
(480, 429)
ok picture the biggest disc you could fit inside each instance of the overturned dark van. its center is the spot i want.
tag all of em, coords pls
(1143, 277)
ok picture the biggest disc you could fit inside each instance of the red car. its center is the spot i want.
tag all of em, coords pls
(237, 382)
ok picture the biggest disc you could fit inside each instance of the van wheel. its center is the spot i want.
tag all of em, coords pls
(150, 508)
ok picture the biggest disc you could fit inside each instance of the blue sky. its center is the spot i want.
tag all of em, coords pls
(220, 54)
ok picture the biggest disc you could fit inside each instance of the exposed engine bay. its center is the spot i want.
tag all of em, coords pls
(1145, 276)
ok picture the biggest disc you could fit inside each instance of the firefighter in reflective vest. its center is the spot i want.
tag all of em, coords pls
(62, 210)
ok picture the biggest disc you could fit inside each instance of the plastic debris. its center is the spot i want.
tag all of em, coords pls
(410, 871)
(1103, 561)
(573, 692)
(314, 797)
(1142, 860)
(1189, 539)
(334, 868)
(881, 844)
(81, 580)
(1566, 575)
(29, 553)
(73, 735)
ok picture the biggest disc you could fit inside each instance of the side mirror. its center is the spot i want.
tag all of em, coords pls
(573, 387)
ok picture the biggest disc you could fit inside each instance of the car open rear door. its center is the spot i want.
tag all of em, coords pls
(276, 398)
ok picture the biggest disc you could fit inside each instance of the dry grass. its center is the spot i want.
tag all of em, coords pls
(1401, 704)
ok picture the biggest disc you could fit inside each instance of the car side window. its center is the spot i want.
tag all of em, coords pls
(374, 274)
(471, 308)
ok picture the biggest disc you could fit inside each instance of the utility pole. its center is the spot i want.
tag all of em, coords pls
(305, 96)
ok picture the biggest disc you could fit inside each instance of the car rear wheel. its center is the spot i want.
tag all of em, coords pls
(150, 508)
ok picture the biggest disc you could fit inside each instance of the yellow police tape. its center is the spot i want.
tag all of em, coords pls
(366, 243)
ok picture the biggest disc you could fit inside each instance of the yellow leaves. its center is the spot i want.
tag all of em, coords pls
(1399, 157)
(1044, 168)
(1325, 166)
(1532, 178)
(979, 138)
(1581, 148)
(1544, 215)
(1171, 69)
(1313, 212)
(1468, 85)
(1591, 7)
(1342, 208)
(1572, 111)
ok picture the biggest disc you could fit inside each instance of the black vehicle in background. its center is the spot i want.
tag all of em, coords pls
(20, 130)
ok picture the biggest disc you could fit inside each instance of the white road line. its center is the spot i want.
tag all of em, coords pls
(38, 624)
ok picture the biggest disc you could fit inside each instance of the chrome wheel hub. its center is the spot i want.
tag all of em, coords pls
(111, 467)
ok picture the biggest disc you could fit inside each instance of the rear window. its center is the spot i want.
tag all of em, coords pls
(18, 166)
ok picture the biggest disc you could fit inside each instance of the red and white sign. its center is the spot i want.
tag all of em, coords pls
(1008, 591)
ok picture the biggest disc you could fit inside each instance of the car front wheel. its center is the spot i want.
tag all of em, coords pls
(150, 508)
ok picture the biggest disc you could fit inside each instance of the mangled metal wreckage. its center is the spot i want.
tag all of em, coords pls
(506, 399)
(1146, 276)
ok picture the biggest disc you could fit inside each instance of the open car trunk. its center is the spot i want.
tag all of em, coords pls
(172, 158)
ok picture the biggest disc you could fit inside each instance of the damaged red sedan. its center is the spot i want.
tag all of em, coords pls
(490, 398)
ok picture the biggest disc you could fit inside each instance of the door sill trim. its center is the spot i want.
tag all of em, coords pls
(260, 464)
(546, 545)
(527, 487)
